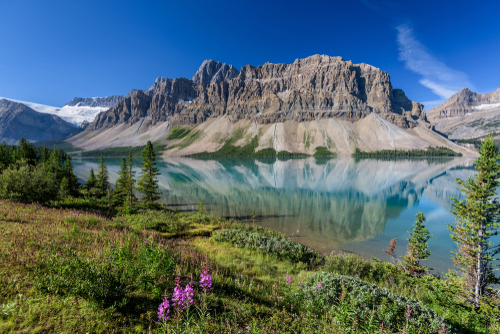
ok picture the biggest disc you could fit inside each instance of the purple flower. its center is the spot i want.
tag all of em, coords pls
(319, 285)
(71, 212)
(288, 279)
(164, 309)
(205, 281)
(188, 296)
(408, 313)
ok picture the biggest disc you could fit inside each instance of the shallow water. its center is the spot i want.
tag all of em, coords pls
(353, 205)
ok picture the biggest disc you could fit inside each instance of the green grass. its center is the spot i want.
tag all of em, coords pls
(61, 272)
(178, 133)
(429, 152)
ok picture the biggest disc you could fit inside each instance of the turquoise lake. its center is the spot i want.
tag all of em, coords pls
(340, 204)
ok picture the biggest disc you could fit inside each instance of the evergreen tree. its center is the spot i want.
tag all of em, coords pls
(71, 179)
(148, 183)
(5, 156)
(417, 247)
(45, 155)
(102, 183)
(476, 221)
(56, 165)
(131, 180)
(91, 182)
(26, 152)
(121, 191)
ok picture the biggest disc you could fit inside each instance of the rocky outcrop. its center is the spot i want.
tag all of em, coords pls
(214, 72)
(312, 88)
(467, 114)
(464, 102)
(19, 121)
(105, 102)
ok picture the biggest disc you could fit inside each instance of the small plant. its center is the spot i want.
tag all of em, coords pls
(391, 249)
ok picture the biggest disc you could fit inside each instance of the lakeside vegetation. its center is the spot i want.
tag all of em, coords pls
(119, 151)
(429, 152)
(96, 260)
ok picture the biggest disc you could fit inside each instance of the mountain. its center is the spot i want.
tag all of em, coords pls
(467, 114)
(316, 101)
(20, 121)
(102, 102)
(78, 110)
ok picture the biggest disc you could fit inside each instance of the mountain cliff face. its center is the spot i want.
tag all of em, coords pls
(19, 121)
(467, 114)
(312, 88)
(104, 102)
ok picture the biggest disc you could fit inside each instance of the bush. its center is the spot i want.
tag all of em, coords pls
(106, 279)
(28, 184)
(62, 272)
(282, 248)
(366, 302)
(373, 271)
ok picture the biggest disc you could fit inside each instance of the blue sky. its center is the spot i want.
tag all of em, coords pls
(52, 51)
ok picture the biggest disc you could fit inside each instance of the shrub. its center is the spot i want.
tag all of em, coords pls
(282, 248)
(365, 302)
(28, 184)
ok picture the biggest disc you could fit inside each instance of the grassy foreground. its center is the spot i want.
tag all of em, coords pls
(69, 271)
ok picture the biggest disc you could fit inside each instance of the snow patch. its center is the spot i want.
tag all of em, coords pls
(486, 106)
(75, 115)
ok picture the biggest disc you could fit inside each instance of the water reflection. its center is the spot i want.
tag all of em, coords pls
(328, 204)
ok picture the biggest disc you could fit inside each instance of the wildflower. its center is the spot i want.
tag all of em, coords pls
(442, 330)
(288, 279)
(164, 309)
(188, 296)
(319, 285)
(205, 281)
(408, 313)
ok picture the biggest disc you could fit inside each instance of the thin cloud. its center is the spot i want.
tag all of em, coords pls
(436, 75)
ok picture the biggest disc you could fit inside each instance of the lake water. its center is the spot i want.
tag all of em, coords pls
(347, 204)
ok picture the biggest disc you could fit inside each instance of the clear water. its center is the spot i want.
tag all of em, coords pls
(327, 204)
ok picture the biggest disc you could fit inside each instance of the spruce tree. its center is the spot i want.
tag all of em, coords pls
(130, 179)
(26, 152)
(417, 248)
(148, 183)
(56, 164)
(72, 181)
(102, 183)
(91, 182)
(45, 155)
(121, 191)
(476, 221)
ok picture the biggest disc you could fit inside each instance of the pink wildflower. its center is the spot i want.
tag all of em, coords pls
(164, 309)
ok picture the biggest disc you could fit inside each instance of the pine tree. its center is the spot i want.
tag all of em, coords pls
(417, 247)
(102, 183)
(131, 180)
(45, 155)
(91, 182)
(476, 221)
(56, 164)
(148, 183)
(72, 181)
(121, 191)
(26, 152)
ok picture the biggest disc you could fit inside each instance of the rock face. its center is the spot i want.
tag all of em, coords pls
(104, 102)
(467, 114)
(19, 121)
(312, 88)
(213, 72)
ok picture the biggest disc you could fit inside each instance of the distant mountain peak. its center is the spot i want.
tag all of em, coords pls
(212, 71)
(103, 102)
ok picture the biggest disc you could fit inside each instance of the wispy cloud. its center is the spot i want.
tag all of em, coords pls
(436, 75)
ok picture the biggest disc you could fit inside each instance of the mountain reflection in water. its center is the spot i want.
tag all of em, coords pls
(348, 204)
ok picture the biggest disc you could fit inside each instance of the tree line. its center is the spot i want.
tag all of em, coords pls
(31, 174)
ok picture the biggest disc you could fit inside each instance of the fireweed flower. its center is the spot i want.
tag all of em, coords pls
(205, 281)
(288, 279)
(408, 313)
(319, 285)
(164, 309)
(188, 296)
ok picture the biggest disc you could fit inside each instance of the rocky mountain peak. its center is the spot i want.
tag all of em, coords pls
(212, 71)
(104, 102)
